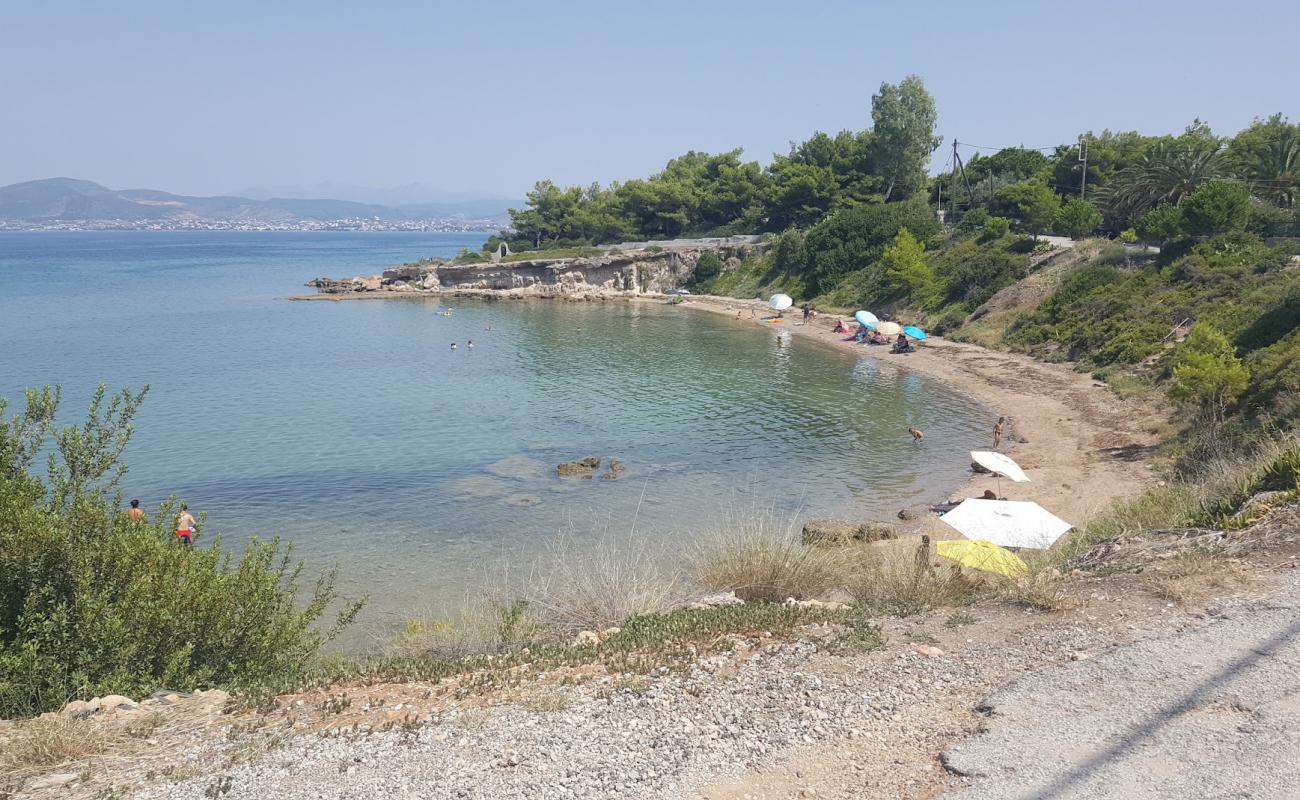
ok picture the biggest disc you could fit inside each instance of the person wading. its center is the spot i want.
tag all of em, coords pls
(135, 513)
(186, 526)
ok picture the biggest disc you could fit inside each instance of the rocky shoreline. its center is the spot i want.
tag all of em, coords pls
(652, 270)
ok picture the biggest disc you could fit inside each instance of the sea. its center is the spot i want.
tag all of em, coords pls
(424, 472)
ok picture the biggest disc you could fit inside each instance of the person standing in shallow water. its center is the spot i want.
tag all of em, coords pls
(186, 526)
(997, 432)
(135, 513)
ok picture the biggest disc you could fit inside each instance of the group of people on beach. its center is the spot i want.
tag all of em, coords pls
(187, 527)
(864, 335)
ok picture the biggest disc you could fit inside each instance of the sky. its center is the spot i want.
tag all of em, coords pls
(488, 97)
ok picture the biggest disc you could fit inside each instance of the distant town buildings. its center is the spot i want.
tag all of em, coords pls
(196, 224)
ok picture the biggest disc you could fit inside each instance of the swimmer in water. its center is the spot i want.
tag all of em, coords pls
(470, 343)
(453, 345)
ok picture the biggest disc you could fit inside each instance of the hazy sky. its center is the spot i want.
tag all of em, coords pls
(490, 96)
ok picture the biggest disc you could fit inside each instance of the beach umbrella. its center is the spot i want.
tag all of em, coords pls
(780, 302)
(889, 328)
(1008, 523)
(866, 319)
(914, 332)
(982, 554)
(1000, 464)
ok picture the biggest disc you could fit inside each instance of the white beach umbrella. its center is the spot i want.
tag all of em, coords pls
(780, 302)
(999, 463)
(889, 329)
(1007, 523)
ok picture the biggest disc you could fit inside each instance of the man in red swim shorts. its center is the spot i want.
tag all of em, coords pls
(186, 526)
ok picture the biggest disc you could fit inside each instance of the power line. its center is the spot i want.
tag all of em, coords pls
(1013, 147)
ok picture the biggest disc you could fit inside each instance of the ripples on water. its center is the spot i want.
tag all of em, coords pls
(353, 429)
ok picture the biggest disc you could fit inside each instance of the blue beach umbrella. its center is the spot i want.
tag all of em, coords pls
(866, 319)
(914, 332)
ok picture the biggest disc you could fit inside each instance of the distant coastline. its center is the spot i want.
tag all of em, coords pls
(350, 225)
(70, 204)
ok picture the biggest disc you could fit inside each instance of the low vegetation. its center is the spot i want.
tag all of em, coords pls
(94, 603)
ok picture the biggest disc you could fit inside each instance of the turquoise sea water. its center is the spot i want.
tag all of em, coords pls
(355, 430)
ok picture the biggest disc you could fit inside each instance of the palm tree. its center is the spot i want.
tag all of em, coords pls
(1167, 173)
(1275, 175)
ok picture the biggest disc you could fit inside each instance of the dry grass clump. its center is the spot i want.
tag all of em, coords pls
(53, 740)
(1041, 590)
(1196, 575)
(896, 581)
(593, 586)
(761, 559)
(480, 626)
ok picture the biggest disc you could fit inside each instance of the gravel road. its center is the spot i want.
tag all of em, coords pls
(1211, 712)
(735, 719)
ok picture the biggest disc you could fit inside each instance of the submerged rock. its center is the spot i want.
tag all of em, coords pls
(574, 469)
(838, 531)
(523, 500)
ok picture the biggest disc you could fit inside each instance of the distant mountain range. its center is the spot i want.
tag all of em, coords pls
(71, 200)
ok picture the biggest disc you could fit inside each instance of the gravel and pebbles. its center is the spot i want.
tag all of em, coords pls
(730, 718)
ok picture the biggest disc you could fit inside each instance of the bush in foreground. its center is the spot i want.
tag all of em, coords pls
(92, 603)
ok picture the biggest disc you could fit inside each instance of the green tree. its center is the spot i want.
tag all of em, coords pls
(854, 238)
(1162, 223)
(1015, 163)
(1208, 372)
(1034, 204)
(1076, 218)
(1268, 155)
(905, 271)
(1168, 172)
(903, 119)
(92, 602)
(801, 194)
(1216, 208)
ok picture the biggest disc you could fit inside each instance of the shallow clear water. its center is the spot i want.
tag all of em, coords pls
(353, 429)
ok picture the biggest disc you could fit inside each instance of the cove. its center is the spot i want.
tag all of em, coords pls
(356, 431)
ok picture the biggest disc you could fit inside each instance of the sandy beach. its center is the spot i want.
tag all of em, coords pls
(1081, 444)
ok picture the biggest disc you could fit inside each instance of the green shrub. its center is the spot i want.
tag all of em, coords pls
(1216, 208)
(1162, 223)
(853, 238)
(93, 603)
(707, 267)
(1077, 217)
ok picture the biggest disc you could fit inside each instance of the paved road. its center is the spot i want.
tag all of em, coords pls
(1211, 712)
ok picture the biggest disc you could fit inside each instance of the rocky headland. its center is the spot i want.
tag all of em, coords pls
(652, 269)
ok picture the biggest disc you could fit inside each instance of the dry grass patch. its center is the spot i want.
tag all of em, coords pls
(899, 582)
(1043, 590)
(41, 743)
(1195, 576)
(762, 560)
(584, 586)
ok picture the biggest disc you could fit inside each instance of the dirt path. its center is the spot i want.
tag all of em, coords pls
(1082, 446)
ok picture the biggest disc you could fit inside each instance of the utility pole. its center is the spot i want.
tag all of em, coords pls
(956, 157)
(1083, 157)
